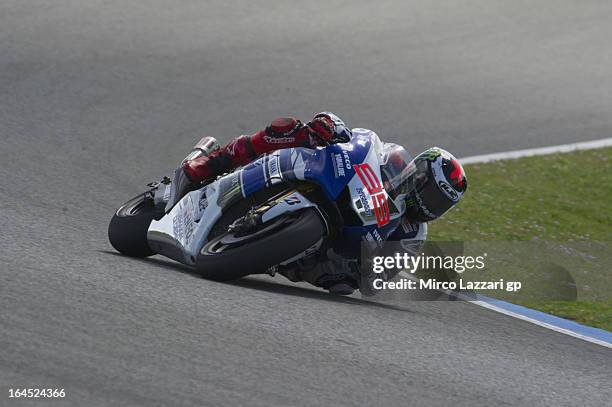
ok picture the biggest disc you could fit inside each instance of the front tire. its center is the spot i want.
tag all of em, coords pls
(230, 256)
(127, 231)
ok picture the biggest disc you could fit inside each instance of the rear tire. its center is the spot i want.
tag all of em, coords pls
(127, 231)
(280, 239)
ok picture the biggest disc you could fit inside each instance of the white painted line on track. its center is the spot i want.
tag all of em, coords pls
(563, 148)
(564, 326)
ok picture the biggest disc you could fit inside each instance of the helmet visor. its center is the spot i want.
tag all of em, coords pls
(432, 202)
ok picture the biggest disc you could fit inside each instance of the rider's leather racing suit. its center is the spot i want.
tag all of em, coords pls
(336, 273)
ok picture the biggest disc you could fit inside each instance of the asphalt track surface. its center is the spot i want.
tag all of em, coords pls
(98, 98)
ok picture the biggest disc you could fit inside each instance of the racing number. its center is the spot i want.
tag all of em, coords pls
(372, 183)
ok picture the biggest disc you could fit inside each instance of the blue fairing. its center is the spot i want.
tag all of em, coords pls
(318, 165)
(322, 166)
(348, 245)
(252, 177)
(330, 167)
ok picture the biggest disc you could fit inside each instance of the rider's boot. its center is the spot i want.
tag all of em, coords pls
(182, 182)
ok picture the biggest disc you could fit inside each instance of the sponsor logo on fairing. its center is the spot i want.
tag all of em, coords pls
(273, 166)
(182, 223)
(373, 238)
(292, 200)
(339, 168)
(235, 180)
(203, 203)
(347, 159)
(364, 202)
(273, 175)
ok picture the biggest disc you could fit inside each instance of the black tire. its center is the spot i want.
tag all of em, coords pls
(280, 239)
(127, 231)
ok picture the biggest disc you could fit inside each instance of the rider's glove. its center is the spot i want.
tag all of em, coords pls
(321, 128)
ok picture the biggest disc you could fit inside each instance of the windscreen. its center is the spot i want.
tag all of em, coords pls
(396, 171)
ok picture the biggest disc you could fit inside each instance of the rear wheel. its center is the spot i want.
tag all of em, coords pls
(127, 231)
(232, 254)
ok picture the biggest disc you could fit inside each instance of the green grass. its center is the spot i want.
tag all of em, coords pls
(560, 197)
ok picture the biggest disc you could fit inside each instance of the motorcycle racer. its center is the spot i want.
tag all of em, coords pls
(284, 132)
(434, 183)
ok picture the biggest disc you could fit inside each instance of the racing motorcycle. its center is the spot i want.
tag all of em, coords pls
(284, 209)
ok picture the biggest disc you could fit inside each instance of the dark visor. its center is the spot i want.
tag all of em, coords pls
(432, 198)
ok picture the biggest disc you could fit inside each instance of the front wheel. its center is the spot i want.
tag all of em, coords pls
(232, 255)
(127, 231)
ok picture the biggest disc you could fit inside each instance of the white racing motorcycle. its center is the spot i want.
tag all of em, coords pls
(280, 210)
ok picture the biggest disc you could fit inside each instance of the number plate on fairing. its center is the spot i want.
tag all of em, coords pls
(368, 196)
